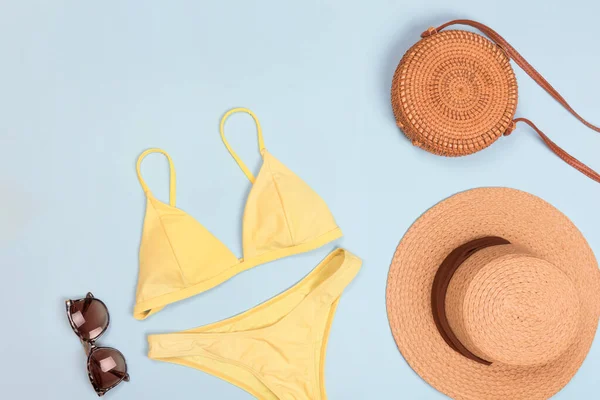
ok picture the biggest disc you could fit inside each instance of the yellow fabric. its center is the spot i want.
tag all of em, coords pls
(180, 258)
(275, 351)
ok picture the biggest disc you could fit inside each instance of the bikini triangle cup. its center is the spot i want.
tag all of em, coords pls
(180, 258)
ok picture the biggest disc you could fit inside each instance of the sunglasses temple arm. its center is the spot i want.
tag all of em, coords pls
(87, 302)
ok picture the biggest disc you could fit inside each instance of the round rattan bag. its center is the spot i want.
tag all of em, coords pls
(455, 93)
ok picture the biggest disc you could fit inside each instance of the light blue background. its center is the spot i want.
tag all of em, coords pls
(85, 87)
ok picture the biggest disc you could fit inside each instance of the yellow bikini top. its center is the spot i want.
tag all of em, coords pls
(180, 258)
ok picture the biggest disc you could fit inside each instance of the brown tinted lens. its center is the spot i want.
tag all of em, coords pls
(89, 317)
(107, 367)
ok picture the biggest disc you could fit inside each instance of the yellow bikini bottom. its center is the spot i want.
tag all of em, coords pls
(276, 350)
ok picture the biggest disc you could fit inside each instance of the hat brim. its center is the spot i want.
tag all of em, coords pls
(524, 220)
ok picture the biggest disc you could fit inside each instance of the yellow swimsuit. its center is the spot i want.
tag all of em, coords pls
(180, 258)
(275, 351)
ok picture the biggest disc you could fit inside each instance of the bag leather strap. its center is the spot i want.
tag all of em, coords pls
(566, 157)
(536, 76)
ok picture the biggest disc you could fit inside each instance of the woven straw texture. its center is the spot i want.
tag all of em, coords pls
(454, 93)
(531, 307)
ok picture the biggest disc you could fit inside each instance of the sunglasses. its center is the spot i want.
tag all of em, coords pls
(106, 366)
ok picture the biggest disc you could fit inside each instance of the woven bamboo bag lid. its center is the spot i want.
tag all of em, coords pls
(455, 93)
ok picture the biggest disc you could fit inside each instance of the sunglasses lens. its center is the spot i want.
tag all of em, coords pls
(107, 367)
(90, 317)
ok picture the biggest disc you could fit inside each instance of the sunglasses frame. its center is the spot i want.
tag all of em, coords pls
(90, 345)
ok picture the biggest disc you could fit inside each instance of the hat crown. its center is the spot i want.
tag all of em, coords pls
(508, 306)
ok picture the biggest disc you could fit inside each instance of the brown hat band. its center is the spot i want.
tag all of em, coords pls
(440, 288)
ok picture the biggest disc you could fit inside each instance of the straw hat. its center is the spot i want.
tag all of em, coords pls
(494, 294)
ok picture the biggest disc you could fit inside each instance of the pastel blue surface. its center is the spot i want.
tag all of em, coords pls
(87, 86)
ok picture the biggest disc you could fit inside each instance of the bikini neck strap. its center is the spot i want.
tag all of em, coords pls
(261, 143)
(172, 194)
